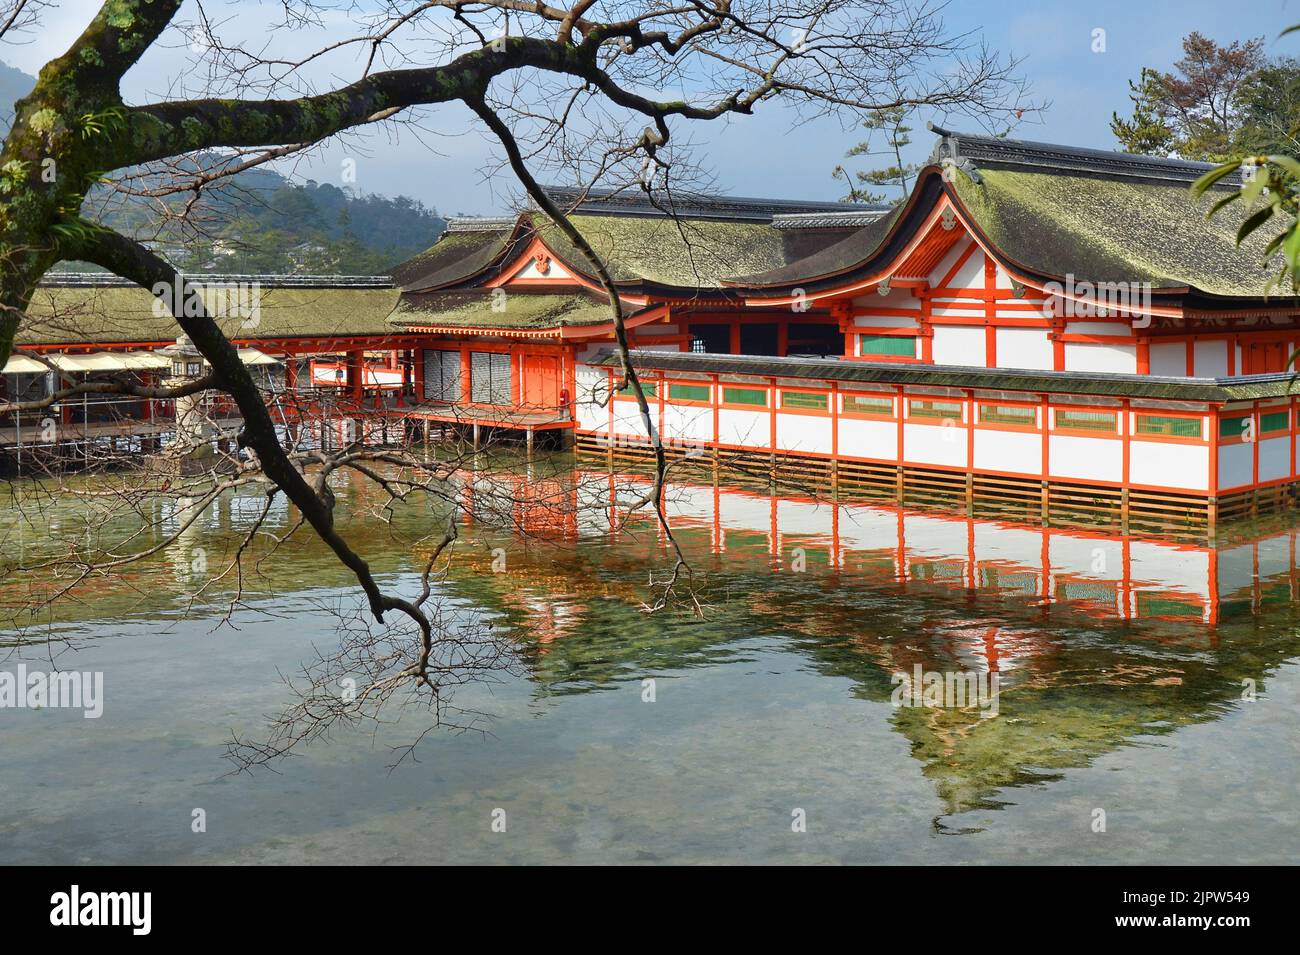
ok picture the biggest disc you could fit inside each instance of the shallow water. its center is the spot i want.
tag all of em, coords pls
(1121, 666)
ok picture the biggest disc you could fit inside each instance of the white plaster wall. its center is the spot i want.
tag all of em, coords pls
(1024, 348)
(687, 422)
(591, 386)
(1236, 464)
(934, 444)
(803, 433)
(1098, 459)
(1210, 359)
(750, 428)
(627, 418)
(971, 274)
(1118, 359)
(1169, 359)
(1166, 464)
(860, 438)
(1274, 458)
(1018, 451)
(958, 345)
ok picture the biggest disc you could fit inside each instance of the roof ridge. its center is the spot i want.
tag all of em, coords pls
(972, 151)
(110, 280)
(689, 204)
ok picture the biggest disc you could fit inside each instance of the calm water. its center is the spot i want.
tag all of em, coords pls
(1122, 666)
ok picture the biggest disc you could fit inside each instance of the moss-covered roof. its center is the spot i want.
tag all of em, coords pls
(1052, 211)
(639, 250)
(683, 253)
(119, 314)
(1116, 230)
(481, 309)
(456, 254)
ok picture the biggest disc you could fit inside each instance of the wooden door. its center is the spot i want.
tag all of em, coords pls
(541, 381)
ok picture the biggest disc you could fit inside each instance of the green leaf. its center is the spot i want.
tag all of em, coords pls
(1255, 185)
(1213, 176)
(1230, 197)
(1257, 219)
(1291, 246)
(1289, 163)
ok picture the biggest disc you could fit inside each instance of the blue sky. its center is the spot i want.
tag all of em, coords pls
(762, 155)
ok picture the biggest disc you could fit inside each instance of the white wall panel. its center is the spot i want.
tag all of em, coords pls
(1018, 451)
(934, 444)
(1210, 359)
(958, 345)
(749, 428)
(1169, 359)
(1024, 348)
(860, 438)
(1274, 458)
(1236, 464)
(1098, 459)
(1166, 464)
(803, 433)
(1116, 359)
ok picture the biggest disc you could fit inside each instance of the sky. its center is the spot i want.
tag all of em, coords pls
(444, 166)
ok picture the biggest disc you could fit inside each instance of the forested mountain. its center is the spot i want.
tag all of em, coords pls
(259, 221)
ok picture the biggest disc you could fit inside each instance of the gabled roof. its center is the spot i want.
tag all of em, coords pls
(678, 245)
(515, 311)
(1049, 212)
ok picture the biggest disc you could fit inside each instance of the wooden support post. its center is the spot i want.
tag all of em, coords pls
(476, 434)
(529, 441)
(1045, 511)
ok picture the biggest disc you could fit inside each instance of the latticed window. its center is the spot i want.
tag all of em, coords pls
(648, 388)
(1274, 421)
(490, 378)
(904, 345)
(1234, 427)
(688, 392)
(869, 404)
(745, 396)
(442, 375)
(1009, 414)
(941, 410)
(803, 399)
(1100, 421)
(1170, 426)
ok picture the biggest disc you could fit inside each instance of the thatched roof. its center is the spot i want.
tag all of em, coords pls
(1051, 211)
(111, 314)
(480, 309)
(643, 247)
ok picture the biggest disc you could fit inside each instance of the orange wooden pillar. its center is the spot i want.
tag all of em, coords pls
(356, 377)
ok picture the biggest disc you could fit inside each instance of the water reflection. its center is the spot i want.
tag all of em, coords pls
(1100, 641)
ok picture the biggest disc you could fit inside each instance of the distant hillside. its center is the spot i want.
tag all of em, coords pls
(259, 221)
(14, 85)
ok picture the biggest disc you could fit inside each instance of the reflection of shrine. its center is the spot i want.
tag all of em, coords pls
(1100, 574)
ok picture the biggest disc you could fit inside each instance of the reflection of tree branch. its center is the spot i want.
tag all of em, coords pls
(561, 221)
